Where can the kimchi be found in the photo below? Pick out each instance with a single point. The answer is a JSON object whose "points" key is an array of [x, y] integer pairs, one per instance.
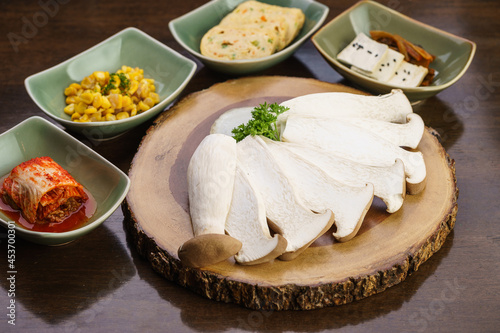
{"points": [[43, 191]]}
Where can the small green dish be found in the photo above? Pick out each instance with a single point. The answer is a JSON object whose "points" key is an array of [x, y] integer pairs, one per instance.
{"points": [[132, 47], [189, 29], [453, 54], [37, 137]]}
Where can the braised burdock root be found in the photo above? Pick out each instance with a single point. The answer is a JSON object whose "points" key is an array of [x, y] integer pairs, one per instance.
{"points": [[414, 54]]}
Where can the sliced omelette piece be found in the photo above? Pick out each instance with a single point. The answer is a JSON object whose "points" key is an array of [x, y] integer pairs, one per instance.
{"points": [[250, 12], [230, 43]]}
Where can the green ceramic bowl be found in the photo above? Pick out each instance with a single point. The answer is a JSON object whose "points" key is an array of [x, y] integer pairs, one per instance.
{"points": [[453, 54], [132, 47], [190, 28], [37, 137]]}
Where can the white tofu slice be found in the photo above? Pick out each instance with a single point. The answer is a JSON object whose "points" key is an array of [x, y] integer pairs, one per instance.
{"points": [[408, 75], [363, 53], [391, 61]]}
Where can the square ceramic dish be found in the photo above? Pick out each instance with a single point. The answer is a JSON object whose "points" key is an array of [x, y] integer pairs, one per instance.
{"points": [[132, 47], [453, 54], [189, 29], [36, 137]]}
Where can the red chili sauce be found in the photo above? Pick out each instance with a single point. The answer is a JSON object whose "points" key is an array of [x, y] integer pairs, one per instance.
{"points": [[74, 221]]}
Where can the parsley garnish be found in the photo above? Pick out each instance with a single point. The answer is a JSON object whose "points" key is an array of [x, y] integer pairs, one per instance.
{"points": [[124, 83], [263, 122]]}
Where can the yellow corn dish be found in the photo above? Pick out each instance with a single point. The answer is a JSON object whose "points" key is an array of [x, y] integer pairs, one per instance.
{"points": [[102, 96]]}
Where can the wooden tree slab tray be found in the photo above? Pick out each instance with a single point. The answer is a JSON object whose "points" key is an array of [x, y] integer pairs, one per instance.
{"points": [[387, 249]]}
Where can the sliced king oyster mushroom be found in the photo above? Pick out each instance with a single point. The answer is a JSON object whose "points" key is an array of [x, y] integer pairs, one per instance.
{"points": [[320, 192], [388, 181], [247, 222], [408, 134], [285, 211], [350, 141], [210, 175], [391, 107]]}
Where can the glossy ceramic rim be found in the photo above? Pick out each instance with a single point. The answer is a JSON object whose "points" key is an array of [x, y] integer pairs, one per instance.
{"points": [[72, 234], [162, 104], [421, 89]]}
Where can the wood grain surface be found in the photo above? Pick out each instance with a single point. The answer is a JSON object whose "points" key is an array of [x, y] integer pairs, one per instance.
{"points": [[101, 284]]}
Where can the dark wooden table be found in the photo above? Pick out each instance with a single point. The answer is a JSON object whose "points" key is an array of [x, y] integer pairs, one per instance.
{"points": [[100, 284]]}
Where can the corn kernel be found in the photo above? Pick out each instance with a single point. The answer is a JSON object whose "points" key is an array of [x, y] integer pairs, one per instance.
{"points": [[80, 108], [116, 101], [122, 115], [110, 117], [88, 82], [87, 98], [96, 117], [90, 110], [149, 102], [128, 108], [76, 86], [72, 99], [84, 118], [100, 77], [141, 106], [134, 84], [126, 101], [106, 104], [70, 109], [70, 91], [85, 101], [143, 90], [97, 102], [155, 97]]}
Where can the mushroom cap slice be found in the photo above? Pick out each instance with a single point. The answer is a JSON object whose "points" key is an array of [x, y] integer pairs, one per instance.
{"points": [[210, 177], [285, 210], [208, 249], [321, 192], [247, 222], [392, 107], [342, 138]]}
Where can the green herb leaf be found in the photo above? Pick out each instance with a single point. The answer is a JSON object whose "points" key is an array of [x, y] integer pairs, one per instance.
{"points": [[124, 83], [263, 122]]}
